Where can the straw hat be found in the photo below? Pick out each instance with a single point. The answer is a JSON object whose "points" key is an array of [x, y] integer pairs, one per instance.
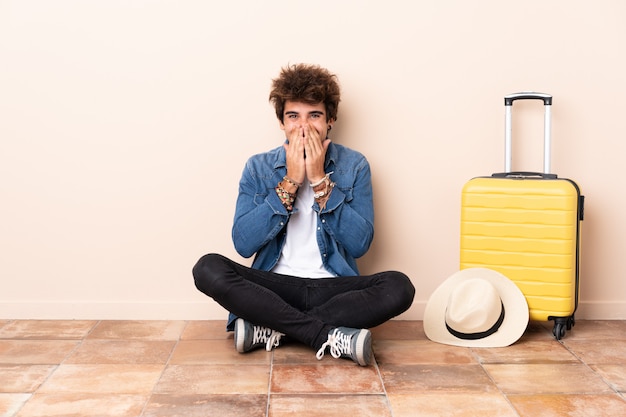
{"points": [[476, 307]]}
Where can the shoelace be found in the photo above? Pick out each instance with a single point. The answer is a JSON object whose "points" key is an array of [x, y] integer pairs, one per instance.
{"points": [[338, 342], [273, 340], [270, 337]]}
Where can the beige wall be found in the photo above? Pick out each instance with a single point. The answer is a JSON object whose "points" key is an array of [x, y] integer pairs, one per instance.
{"points": [[124, 126]]}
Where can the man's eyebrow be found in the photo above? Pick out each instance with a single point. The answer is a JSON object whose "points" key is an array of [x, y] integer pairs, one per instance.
{"points": [[318, 112], [311, 112]]}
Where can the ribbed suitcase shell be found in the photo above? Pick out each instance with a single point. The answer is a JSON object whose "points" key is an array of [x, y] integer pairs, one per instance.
{"points": [[529, 230]]}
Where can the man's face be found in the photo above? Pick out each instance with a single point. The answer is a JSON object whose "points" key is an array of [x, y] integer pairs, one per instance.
{"points": [[298, 114]]}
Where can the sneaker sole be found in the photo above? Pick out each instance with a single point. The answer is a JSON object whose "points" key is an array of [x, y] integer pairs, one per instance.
{"points": [[240, 335], [364, 338]]}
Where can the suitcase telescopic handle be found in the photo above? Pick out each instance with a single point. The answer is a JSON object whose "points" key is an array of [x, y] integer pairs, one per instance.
{"points": [[527, 95], [508, 105]]}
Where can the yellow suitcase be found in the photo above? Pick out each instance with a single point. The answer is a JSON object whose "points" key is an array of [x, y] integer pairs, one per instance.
{"points": [[526, 225]]}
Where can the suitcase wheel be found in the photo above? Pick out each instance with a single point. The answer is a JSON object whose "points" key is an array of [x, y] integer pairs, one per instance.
{"points": [[559, 330], [561, 325], [570, 323]]}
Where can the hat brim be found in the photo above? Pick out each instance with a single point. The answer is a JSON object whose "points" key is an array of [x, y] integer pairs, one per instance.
{"points": [[515, 307]]}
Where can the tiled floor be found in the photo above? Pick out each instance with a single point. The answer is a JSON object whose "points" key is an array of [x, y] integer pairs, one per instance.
{"points": [[190, 369]]}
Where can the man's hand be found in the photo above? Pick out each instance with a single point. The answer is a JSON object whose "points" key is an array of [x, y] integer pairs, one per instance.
{"points": [[296, 169], [315, 148], [306, 153]]}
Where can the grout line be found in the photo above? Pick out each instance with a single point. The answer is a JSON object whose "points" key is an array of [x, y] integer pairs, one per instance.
{"points": [[611, 386], [382, 383], [54, 366], [269, 384], [68, 355], [92, 329], [493, 381], [79, 344], [165, 366]]}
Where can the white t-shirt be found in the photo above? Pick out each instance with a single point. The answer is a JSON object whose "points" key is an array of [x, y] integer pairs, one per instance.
{"points": [[301, 255]]}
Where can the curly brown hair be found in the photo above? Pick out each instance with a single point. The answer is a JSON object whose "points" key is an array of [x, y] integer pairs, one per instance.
{"points": [[306, 83]]}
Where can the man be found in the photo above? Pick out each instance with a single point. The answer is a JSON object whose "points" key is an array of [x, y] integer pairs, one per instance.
{"points": [[305, 211]]}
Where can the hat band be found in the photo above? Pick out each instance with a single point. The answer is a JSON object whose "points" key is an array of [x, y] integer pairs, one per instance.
{"points": [[479, 335]]}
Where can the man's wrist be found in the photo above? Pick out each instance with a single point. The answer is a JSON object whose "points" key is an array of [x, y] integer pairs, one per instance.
{"points": [[321, 180], [289, 186], [292, 182]]}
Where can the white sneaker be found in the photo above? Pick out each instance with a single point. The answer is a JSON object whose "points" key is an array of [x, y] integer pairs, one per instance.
{"points": [[249, 337], [345, 342]]}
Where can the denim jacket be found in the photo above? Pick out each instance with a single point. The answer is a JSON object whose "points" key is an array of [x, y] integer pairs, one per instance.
{"points": [[345, 226]]}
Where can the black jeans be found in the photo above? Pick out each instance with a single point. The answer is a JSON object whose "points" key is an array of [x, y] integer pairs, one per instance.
{"points": [[303, 308]]}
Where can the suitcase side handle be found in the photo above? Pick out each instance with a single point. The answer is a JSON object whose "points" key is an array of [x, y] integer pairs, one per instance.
{"points": [[508, 103]]}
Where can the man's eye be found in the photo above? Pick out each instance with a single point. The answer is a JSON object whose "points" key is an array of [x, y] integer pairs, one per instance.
{"points": [[292, 116]]}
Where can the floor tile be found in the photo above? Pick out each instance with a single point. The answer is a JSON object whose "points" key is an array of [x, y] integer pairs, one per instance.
{"points": [[23, 378], [293, 353], [300, 379], [472, 404], [35, 352], [216, 352], [399, 330], [598, 351], [190, 368], [325, 405], [163, 405], [537, 330], [11, 403], [138, 330], [530, 351], [546, 379], [597, 329], [83, 404], [206, 329], [406, 379], [122, 351], [104, 379], [214, 379], [407, 352], [569, 406], [614, 375], [47, 329]]}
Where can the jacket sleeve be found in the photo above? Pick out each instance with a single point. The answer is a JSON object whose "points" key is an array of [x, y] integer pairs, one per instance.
{"points": [[348, 217], [259, 215]]}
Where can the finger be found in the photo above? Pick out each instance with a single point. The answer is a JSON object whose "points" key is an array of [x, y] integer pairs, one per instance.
{"points": [[313, 134], [313, 142], [296, 168], [293, 136], [296, 139], [316, 155]]}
